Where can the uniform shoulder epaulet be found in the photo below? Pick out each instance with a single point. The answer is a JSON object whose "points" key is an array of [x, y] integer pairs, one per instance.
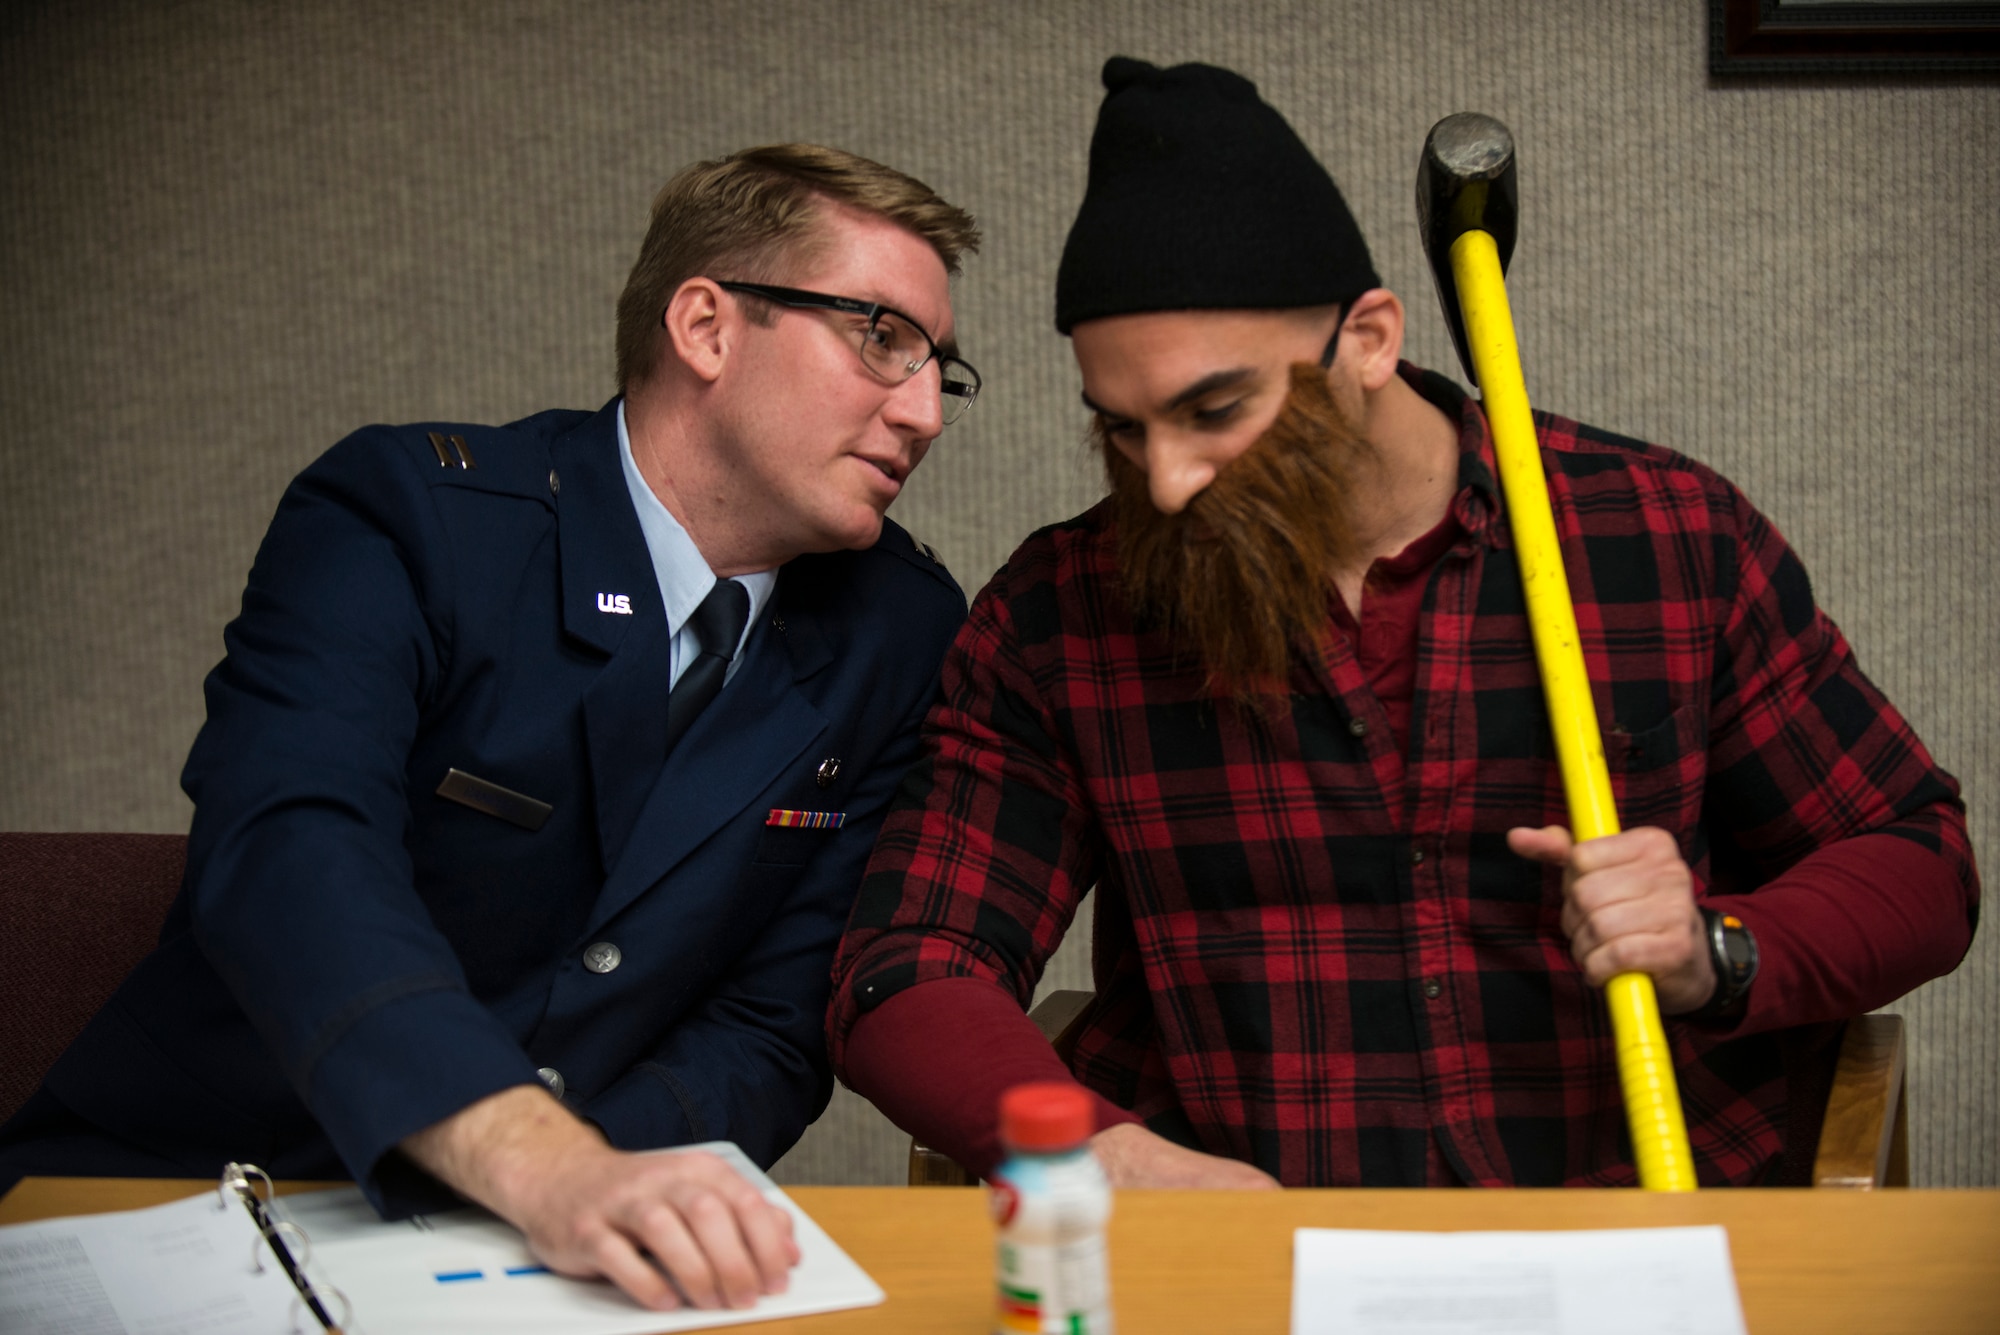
{"points": [[484, 458], [902, 542]]}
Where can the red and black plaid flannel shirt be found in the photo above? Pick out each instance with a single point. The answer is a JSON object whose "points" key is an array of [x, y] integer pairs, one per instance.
{"points": [[1313, 951]]}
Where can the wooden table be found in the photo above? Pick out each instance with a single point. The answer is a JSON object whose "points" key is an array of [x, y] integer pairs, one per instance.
{"points": [[1810, 1262]]}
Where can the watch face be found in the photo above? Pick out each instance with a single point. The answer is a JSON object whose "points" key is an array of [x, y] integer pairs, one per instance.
{"points": [[1738, 950]]}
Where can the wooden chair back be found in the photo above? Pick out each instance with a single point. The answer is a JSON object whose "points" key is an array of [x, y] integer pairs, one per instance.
{"points": [[1864, 1139]]}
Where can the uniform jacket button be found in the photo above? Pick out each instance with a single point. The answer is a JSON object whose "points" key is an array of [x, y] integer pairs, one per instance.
{"points": [[602, 957], [552, 1078]]}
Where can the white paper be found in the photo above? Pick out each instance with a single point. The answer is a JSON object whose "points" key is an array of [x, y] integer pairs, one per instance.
{"points": [[185, 1269], [1642, 1281]]}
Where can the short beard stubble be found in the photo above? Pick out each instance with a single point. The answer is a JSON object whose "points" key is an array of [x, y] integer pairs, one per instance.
{"points": [[1244, 572]]}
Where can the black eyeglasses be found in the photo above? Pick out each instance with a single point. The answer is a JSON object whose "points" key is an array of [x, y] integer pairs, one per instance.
{"points": [[893, 346]]}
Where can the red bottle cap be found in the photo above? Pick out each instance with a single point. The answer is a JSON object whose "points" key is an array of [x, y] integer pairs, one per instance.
{"points": [[1045, 1116]]}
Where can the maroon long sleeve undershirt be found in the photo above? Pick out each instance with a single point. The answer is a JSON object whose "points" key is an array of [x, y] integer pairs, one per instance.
{"points": [[937, 1057]]}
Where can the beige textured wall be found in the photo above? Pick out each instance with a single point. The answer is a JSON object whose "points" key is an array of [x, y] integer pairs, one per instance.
{"points": [[233, 231]]}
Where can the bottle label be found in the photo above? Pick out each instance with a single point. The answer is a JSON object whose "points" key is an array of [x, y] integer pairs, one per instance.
{"points": [[1051, 1263], [1003, 1201]]}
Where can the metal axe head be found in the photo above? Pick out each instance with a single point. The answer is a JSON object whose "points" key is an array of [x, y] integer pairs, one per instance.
{"points": [[1465, 182]]}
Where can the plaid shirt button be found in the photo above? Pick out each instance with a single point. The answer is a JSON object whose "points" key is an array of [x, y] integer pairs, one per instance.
{"points": [[1358, 726], [1416, 856], [1431, 988]]}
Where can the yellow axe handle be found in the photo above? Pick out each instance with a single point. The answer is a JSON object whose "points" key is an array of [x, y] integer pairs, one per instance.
{"points": [[1645, 1063]]}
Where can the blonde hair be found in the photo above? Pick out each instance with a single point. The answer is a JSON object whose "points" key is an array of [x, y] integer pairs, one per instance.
{"points": [[755, 216]]}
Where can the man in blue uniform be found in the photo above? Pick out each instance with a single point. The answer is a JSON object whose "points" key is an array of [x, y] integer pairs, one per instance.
{"points": [[544, 760]]}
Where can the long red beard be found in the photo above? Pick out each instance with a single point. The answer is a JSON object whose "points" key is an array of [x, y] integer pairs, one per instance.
{"points": [[1244, 572]]}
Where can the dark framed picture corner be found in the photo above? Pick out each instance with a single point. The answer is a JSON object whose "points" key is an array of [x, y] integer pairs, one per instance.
{"points": [[1765, 37]]}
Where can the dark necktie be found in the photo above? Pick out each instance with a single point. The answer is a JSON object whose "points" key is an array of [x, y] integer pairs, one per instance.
{"points": [[718, 622]]}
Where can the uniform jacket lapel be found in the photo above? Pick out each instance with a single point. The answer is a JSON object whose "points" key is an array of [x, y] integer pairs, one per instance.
{"points": [[757, 728], [650, 816], [604, 557]]}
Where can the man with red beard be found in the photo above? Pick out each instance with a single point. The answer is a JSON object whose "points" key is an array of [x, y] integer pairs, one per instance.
{"points": [[1275, 699]]}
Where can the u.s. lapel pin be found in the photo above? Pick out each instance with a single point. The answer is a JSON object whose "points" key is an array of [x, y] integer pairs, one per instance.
{"points": [[828, 771]]}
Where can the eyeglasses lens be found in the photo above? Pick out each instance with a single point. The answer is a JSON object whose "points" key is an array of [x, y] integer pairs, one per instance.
{"points": [[894, 347], [897, 350], [960, 386]]}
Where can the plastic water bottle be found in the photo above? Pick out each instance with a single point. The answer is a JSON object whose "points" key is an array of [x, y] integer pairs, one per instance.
{"points": [[1051, 1202]]}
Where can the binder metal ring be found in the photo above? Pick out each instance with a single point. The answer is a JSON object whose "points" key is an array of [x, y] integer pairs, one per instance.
{"points": [[298, 1309], [239, 1180]]}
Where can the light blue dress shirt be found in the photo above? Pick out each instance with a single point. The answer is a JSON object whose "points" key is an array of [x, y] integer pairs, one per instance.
{"points": [[685, 578]]}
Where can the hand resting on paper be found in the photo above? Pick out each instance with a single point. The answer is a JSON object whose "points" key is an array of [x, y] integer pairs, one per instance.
{"points": [[1628, 907], [589, 1210], [1132, 1156]]}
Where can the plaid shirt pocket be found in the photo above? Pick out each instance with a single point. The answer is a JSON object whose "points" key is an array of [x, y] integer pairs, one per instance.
{"points": [[1660, 772]]}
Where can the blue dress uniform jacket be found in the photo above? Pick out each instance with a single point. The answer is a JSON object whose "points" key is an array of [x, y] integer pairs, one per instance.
{"points": [[354, 957]]}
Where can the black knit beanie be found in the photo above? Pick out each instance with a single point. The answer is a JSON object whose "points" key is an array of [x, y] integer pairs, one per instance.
{"points": [[1202, 198]]}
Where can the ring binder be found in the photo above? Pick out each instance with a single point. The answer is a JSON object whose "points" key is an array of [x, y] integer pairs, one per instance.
{"points": [[199, 1263], [237, 1180]]}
